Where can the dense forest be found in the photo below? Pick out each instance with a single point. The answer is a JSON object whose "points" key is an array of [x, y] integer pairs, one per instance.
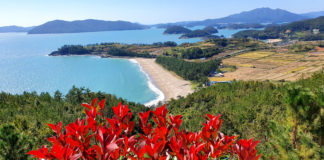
{"points": [[194, 71], [196, 52], [103, 50], [199, 33], [24, 118], [287, 118], [302, 30]]}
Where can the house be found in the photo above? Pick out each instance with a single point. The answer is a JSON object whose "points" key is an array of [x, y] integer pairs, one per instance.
{"points": [[219, 75], [273, 40], [214, 82], [316, 31], [216, 74]]}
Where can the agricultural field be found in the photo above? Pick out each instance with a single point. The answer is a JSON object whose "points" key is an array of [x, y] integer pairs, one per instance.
{"points": [[272, 65]]}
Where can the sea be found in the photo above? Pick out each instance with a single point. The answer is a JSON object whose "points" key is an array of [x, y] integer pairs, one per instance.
{"points": [[26, 67]]}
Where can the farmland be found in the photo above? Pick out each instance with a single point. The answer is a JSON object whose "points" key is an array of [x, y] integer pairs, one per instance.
{"points": [[273, 65]]}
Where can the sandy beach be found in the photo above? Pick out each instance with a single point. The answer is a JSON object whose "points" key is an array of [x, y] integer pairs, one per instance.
{"points": [[171, 85]]}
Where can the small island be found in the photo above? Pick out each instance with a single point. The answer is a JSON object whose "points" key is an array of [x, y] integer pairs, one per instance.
{"points": [[199, 34], [210, 30], [177, 30]]}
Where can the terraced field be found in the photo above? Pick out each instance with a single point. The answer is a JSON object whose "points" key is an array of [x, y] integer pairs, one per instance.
{"points": [[263, 65]]}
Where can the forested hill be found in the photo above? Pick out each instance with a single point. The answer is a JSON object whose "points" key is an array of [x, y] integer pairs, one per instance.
{"points": [[90, 25], [302, 30], [255, 16], [176, 30], [266, 111]]}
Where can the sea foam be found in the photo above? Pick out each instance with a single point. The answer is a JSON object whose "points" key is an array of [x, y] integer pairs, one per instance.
{"points": [[160, 95]]}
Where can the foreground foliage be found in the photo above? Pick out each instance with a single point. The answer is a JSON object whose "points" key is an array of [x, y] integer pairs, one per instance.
{"points": [[99, 137], [266, 111], [249, 109]]}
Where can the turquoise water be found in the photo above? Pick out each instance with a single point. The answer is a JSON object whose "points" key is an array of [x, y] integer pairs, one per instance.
{"points": [[24, 65]]}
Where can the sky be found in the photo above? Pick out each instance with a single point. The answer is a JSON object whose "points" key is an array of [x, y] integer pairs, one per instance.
{"points": [[36, 12]]}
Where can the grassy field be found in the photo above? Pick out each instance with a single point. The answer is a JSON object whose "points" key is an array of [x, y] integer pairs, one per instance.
{"points": [[271, 65]]}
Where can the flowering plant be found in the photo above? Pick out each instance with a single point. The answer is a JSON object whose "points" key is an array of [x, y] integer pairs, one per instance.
{"points": [[102, 138]]}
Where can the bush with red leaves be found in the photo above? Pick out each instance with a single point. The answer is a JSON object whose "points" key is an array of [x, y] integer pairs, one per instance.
{"points": [[98, 137]]}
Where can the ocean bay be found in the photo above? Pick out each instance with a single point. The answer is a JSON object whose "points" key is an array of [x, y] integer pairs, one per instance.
{"points": [[25, 66]]}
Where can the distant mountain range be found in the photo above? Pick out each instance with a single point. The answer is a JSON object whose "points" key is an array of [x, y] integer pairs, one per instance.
{"points": [[90, 25], [256, 16], [14, 29], [313, 14]]}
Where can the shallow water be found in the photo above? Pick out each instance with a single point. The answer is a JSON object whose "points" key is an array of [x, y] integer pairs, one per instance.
{"points": [[24, 65]]}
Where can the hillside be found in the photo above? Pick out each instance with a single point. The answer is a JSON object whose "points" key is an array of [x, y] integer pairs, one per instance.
{"points": [[302, 30], [313, 14], [14, 29], [256, 16], [176, 30], [249, 109], [90, 25], [260, 110]]}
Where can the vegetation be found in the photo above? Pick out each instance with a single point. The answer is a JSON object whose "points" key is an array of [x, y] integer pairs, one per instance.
{"points": [[210, 30], [105, 50], [194, 71], [197, 34], [212, 47], [196, 52], [265, 111], [90, 25], [176, 30], [262, 110], [302, 30], [24, 118], [99, 137]]}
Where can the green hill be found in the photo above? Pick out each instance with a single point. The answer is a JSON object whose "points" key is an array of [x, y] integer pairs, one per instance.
{"points": [[302, 30], [90, 25], [176, 30]]}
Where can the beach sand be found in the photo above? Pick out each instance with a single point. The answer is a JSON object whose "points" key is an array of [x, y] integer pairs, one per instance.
{"points": [[171, 85]]}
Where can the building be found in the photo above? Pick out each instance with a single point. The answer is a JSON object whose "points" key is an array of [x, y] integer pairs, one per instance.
{"points": [[316, 31], [273, 40]]}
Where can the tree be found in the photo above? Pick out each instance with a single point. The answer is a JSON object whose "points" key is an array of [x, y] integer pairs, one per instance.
{"points": [[303, 103], [13, 144]]}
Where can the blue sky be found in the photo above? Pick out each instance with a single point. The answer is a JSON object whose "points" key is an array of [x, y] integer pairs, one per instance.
{"points": [[36, 12]]}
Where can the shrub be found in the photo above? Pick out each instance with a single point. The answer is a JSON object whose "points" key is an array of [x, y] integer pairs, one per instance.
{"points": [[99, 137]]}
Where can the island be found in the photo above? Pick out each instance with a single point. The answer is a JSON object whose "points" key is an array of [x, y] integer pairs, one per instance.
{"points": [[199, 34], [210, 30], [90, 25], [177, 30]]}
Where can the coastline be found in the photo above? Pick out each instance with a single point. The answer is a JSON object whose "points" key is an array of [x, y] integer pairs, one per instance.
{"points": [[152, 85], [165, 84]]}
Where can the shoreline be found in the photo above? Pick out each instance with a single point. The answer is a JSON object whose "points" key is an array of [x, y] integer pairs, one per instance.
{"points": [[162, 82], [152, 85], [168, 84]]}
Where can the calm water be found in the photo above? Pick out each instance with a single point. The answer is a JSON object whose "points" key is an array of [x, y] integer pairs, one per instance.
{"points": [[24, 65]]}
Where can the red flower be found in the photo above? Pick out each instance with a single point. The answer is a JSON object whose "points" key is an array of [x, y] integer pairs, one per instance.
{"points": [[39, 153], [245, 149], [112, 138]]}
